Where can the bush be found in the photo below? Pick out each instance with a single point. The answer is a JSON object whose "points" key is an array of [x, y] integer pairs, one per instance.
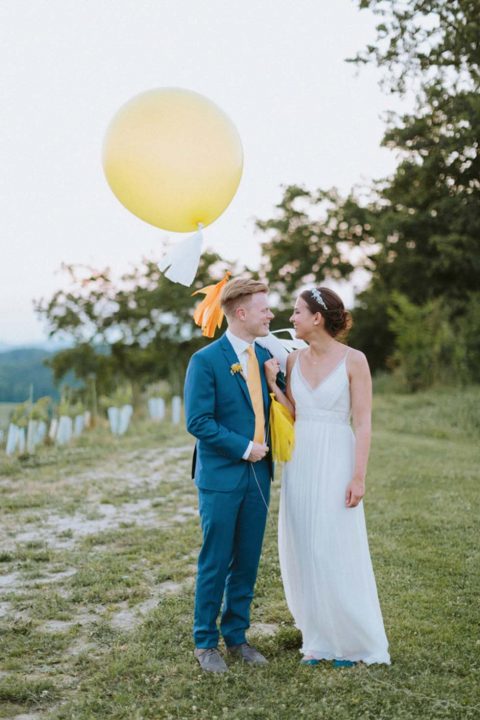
{"points": [[435, 344]]}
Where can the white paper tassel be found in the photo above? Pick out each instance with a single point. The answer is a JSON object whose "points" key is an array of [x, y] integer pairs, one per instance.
{"points": [[281, 348], [182, 260]]}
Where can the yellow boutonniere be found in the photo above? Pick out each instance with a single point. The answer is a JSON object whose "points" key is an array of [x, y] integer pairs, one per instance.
{"points": [[236, 368]]}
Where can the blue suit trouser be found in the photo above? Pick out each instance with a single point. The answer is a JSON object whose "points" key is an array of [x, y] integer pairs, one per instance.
{"points": [[233, 526]]}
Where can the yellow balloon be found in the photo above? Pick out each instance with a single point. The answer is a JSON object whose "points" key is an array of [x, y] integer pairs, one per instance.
{"points": [[173, 158]]}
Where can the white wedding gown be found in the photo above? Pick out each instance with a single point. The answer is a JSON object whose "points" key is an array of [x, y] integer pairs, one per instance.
{"points": [[323, 546]]}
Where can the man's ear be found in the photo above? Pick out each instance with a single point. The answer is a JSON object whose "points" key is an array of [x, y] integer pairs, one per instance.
{"points": [[240, 313]]}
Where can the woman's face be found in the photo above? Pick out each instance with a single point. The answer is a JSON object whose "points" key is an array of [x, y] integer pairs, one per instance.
{"points": [[303, 320]]}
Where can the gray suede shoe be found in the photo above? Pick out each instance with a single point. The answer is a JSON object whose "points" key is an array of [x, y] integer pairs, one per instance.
{"points": [[247, 653], [210, 660]]}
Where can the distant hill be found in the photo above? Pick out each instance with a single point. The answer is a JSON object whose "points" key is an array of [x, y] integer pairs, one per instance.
{"points": [[21, 368]]}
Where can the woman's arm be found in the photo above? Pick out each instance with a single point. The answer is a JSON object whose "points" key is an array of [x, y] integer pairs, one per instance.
{"points": [[271, 372], [361, 399]]}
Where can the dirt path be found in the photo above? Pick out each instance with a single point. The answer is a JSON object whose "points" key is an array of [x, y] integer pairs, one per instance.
{"points": [[85, 555]]}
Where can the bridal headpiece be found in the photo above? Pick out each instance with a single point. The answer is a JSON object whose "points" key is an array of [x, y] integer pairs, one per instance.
{"points": [[317, 295]]}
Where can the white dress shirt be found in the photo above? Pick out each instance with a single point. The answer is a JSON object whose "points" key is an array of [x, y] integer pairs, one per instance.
{"points": [[241, 350]]}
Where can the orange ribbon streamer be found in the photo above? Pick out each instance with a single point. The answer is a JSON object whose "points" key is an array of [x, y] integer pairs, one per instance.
{"points": [[209, 314]]}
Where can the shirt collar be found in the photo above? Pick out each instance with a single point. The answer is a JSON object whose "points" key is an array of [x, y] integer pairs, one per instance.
{"points": [[237, 343]]}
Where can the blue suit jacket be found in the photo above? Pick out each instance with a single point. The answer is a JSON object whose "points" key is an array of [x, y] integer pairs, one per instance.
{"points": [[220, 415]]}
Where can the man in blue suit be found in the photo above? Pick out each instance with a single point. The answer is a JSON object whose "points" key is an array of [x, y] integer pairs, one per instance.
{"points": [[227, 410]]}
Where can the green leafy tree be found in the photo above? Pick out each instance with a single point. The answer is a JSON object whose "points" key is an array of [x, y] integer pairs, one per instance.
{"points": [[427, 216], [425, 41], [417, 233], [427, 347], [137, 330]]}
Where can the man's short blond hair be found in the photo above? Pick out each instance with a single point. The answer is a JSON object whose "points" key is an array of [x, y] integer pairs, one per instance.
{"points": [[237, 290]]}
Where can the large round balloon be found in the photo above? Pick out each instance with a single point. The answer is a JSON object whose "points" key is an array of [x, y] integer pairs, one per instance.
{"points": [[173, 158]]}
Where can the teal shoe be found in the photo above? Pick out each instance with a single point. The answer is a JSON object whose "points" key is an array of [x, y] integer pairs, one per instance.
{"points": [[309, 661], [343, 663]]}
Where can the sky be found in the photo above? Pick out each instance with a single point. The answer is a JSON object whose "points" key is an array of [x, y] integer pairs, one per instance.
{"points": [[276, 67]]}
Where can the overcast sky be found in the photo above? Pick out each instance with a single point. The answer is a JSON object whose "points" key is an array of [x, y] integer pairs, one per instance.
{"points": [[276, 67]]}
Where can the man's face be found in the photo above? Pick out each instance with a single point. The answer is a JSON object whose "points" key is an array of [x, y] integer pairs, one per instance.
{"points": [[257, 315]]}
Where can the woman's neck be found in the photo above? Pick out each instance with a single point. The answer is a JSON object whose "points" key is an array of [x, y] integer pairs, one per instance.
{"points": [[321, 346]]}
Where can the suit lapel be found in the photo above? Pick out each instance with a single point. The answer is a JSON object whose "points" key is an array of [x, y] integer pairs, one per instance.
{"points": [[232, 359], [260, 360], [265, 391]]}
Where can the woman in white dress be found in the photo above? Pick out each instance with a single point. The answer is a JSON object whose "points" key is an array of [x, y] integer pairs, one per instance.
{"points": [[324, 556]]}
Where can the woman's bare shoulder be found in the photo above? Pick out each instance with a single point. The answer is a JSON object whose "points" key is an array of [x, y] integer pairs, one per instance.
{"points": [[356, 359], [291, 358]]}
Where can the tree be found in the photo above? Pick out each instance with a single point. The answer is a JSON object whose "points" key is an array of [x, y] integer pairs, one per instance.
{"points": [[428, 215], [137, 330], [312, 237], [425, 41], [417, 232]]}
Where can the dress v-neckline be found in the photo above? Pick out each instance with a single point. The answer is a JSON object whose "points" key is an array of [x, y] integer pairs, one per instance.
{"points": [[323, 380]]}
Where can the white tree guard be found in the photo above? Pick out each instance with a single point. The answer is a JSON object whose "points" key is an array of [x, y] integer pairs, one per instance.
{"points": [[52, 433], [156, 408], [12, 437], [113, 419], [65, 430], [32, 436], [78, 425], [21, 440], [124, 421], [176, 409], [119, 419], [41, 431]]}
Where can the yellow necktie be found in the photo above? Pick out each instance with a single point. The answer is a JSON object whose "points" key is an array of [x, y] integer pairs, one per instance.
{"points": [[255, 389]]}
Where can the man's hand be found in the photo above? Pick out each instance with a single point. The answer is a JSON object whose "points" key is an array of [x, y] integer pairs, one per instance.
{"points": [[258, 452]]}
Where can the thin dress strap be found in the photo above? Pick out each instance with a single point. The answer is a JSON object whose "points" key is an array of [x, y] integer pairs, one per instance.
{"points": [[296, 359]]}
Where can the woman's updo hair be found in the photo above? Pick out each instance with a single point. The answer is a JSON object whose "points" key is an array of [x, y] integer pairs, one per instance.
{"points": [[338, 321]]}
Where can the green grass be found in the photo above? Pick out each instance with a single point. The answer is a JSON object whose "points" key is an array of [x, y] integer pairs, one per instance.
{"points": [[79, 648]]}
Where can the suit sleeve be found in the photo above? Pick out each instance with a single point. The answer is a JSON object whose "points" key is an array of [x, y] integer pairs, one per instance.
{"points": [[200, 412], [281, 381]]}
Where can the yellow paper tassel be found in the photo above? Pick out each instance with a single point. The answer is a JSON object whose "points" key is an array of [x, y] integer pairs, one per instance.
{"points": [[209, 314], [281, 431]]}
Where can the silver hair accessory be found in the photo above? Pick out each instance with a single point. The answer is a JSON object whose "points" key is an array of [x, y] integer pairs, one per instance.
{"points": [[318, 297]]}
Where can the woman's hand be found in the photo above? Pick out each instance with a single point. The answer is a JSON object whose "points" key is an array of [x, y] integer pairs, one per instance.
{"points": [[272, 368], [355, 492]]}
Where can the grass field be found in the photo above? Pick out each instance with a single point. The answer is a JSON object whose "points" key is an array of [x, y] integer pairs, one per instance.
{"points": [[97, 558]]}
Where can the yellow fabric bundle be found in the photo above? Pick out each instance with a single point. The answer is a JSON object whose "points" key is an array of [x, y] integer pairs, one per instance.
{"points": [[281, 431]]}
